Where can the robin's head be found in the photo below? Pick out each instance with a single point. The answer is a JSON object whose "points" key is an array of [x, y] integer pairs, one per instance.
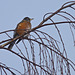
{"points": [[27, 19]]}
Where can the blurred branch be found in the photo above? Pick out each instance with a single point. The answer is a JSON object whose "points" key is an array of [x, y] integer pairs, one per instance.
{"points": [[52, 57], [7, 69], [31, 31], [24, 59]]}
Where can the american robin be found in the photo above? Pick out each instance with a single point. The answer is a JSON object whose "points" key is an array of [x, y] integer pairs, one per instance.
{"points": [[21, 28]]}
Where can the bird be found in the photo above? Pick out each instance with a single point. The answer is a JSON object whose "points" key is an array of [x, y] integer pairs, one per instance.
{"points": [[21, 28]]}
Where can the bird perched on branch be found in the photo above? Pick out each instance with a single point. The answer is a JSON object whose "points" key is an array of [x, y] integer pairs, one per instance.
{"points": [[21, 28]]}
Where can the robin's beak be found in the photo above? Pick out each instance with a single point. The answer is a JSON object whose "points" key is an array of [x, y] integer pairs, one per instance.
{"points": [[31, 19]]}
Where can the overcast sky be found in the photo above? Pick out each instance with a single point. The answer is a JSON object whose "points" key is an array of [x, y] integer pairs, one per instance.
{"points": [[13, 11]]}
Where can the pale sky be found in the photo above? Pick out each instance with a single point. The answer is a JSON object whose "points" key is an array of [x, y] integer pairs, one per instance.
{"points": [[13, 11]]}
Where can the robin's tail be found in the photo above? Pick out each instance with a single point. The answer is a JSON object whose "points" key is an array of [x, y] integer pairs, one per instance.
{"points": [[11, 45]]}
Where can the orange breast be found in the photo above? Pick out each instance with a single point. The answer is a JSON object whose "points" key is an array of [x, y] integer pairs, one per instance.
{"points": [[23, 27]]}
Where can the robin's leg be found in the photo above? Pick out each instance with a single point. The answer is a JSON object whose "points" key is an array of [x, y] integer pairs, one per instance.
{"points": [[18, 41], [21, 39], [11, 45]]}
